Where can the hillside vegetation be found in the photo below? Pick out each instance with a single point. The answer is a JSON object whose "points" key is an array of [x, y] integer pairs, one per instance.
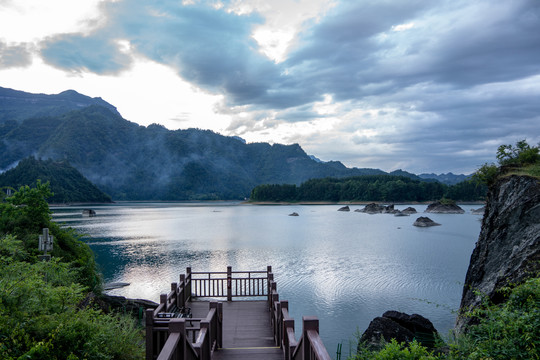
{"points": [[369, 188], [67, 183], [42, 315]]}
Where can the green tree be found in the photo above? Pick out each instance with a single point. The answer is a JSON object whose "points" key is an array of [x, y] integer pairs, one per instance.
{"points": [[520, 155]]}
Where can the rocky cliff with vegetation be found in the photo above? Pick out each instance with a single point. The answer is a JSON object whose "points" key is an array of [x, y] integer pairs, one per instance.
{"points": [[508, 248]]}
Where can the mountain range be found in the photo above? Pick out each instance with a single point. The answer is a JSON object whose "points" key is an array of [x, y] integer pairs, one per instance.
{"points": [[133, 162]]}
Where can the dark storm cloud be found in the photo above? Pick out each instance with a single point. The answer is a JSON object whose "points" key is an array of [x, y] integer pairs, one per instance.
{"points": [[99, 53], [14, 55], [455, 77]]}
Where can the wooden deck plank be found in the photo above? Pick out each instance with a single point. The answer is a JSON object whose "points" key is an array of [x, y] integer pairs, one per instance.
{"points": [[247, 332]]}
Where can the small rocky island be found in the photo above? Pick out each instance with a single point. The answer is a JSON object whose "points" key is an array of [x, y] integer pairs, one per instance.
{"points": [[374, 208], [444, 208], [424, 221]]}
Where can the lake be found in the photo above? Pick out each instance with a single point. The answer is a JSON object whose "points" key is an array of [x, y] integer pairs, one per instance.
{"points": [[343, 267]]}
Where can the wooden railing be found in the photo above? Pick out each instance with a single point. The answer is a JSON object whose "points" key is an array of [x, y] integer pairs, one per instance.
{"points": [[229, 284], [169, 337], [184, 338], [310, 345]]}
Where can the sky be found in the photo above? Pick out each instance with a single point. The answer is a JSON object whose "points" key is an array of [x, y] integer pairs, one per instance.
{"points": [[420, 85]]}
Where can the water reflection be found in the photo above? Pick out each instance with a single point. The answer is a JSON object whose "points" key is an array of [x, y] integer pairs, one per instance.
{"points": [[345, 268]]}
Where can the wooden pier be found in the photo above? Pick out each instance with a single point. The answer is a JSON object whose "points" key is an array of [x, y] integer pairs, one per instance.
{"points": [[191, 323]]}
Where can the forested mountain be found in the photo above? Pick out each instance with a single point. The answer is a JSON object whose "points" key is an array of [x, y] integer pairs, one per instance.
{"points": [[66, 182], [132, 162], [19, 105]]}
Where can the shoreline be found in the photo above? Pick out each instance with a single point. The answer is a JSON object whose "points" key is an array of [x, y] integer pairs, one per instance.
{"points": [[355, 202]]}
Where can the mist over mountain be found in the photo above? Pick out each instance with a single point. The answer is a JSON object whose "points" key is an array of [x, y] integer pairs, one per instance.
{"points": [[448, 178], [67, 184], [133, 162]]}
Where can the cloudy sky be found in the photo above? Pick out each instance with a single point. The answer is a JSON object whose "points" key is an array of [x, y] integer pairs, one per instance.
{"points": [[421, 85]]}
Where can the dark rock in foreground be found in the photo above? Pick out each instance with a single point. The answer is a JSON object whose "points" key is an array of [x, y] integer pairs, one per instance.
{"points": [[399, 326], [345, 208], [423, 221], [294, 214], [508, 248], [440, 208]]}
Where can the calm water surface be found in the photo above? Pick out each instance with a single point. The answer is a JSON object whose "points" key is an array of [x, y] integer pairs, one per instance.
{"points": [[344, 267]]}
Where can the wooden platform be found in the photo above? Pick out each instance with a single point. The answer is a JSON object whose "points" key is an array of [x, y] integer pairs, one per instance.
{"points": [[247, 333]]}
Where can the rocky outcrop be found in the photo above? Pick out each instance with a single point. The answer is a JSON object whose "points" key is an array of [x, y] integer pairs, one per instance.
{"points": [[479, 211], [424, 221], [508, 248], [344, 208], [294, 214], [378, 209], [399, 326], [409, 210], [440, 208]]}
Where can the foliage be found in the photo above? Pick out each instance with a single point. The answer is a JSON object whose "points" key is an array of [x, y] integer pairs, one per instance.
{"points": [[486, 174], [66, 182], [505, 331], [396, 351], [522, 159], [520, 155], [26, 211], [40, 319], [40, 316], [368, 188]]}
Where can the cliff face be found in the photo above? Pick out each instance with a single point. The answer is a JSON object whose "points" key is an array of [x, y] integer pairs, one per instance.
{"points": [[508, 248]]}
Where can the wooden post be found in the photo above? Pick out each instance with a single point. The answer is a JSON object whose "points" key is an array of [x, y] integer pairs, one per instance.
{"points": [[163, 300], [220, 325], [206, 346], [179, 326], [182, 293], [188, 287], [308, 323], [277, 324], [283, 329], [149, 334], [229, 283], [269, 290], [174, 289], [287, 323]]}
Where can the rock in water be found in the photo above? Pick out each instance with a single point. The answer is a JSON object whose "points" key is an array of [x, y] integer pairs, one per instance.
{"points": [[440, 208], [399, 326], [345, 208], [409, 210], [508, 248], [294, 214], [424, 221], [374, 208], [479, 211]]}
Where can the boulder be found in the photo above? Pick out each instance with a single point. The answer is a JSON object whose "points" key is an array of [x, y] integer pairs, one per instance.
{"points": [[345, 208], [440, 208], [424, 221], [399, 326], [294, 214], [508, 247], [479, 211], [409, 210], [374, 208]]}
